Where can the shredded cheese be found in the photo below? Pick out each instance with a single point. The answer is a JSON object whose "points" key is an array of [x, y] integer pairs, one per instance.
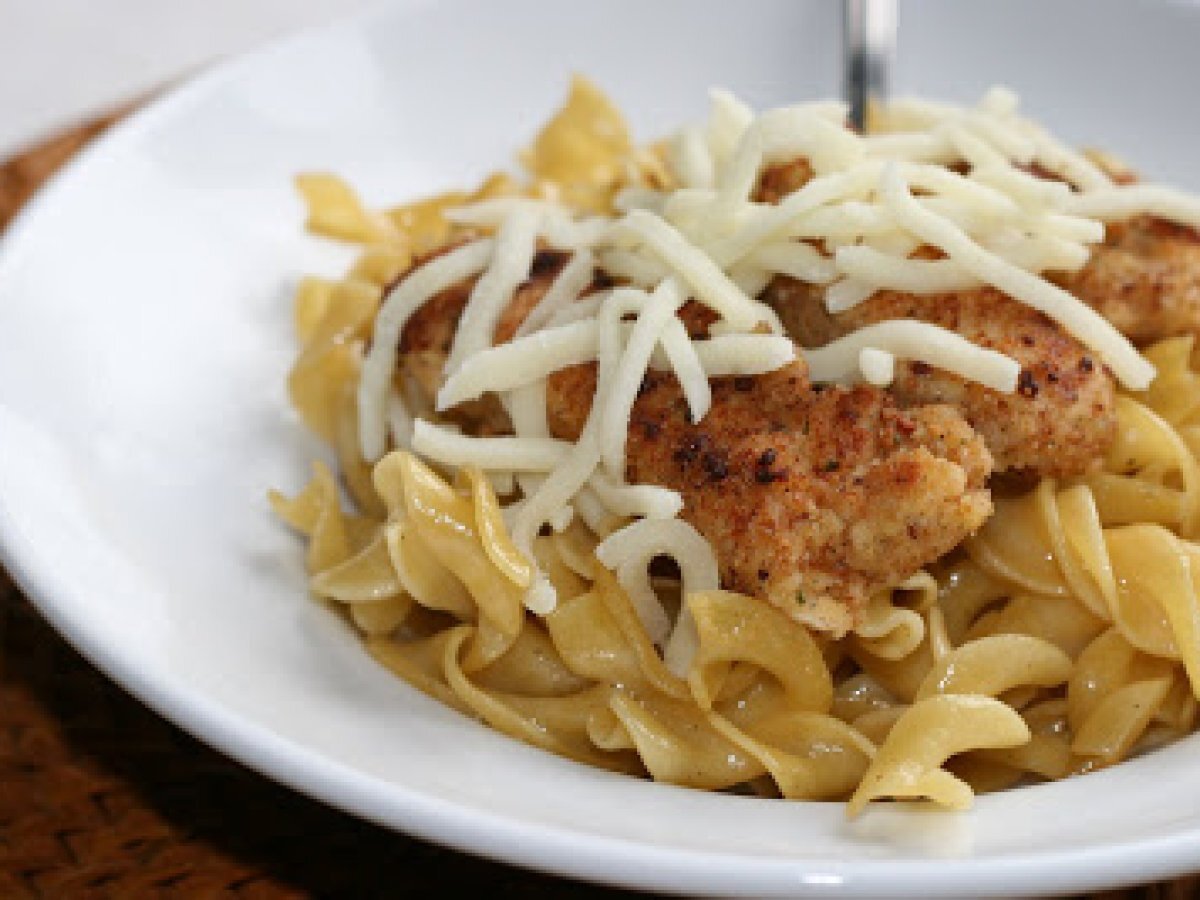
{"points": [[869, 266], [785, 133], [728, 121], [399, 421], [691, 158], [967, 182], [632, 266], [598, 517], [1114, 203], [629, 552], [658, 310], [795, 259], [684, 360], [570, 282], [519, 362], [1079, 319], [645, 500], [562, 484], [878, 367], [744, 354], [512, 454], [711, 285], [840, 360], [399, 305], [526, 407], [515, 246]]}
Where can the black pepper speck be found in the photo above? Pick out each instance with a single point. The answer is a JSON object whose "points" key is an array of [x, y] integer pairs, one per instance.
{"points": [[715, 465]]}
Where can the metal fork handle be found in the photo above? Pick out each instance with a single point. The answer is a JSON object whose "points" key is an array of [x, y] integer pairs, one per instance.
{"points": [[869, 44]]}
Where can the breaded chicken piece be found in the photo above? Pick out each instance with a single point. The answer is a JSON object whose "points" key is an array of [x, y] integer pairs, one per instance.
{"points": [[1144, 278], [819, 496], [812, 499], [1062, 416]]}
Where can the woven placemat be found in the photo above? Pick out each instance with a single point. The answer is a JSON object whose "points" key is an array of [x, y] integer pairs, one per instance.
{"points": [[99, 797]]}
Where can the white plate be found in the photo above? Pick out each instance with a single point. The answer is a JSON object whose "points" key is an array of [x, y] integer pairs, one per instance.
{"points": [[144, 338]]}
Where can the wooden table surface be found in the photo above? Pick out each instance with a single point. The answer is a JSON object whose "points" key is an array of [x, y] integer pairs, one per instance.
{"points": [[99, 797]]}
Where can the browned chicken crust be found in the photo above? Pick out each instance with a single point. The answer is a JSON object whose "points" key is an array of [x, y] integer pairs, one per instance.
{"points": [[1062, 416], [1144, 278], [812, 495], [813, 499], [779, 180], [816, 498]]}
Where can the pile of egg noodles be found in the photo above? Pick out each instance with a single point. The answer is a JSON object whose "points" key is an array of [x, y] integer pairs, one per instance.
{"points": [[1063, 637]]}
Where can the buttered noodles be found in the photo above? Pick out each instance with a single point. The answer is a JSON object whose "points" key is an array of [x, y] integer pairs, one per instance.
{"points": [[519, 577]]}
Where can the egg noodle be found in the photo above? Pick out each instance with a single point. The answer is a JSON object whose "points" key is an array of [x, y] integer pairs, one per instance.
{"points": [[509, 575]]}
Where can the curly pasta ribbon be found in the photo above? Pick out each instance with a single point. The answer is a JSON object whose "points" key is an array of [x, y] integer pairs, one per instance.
{"points": [[1063, 637]]}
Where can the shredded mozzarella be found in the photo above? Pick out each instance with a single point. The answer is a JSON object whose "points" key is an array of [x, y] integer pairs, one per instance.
{"points": [[632, 266], [868, 266], [691, 158], [749, 278], [516, 242], [637, 197], [818, 192], [519, 362], [513, 454], [630, 550], [689, 370], [711, 285], [585, 308], [571, 234], [727, 123], [570, 282], [1114, 203], [878, 367], [1021, 186], [797, 259], [841, 221], [744, 354], [399, 421], [786, 133], [503, 483], [859, 225], [401, 302], [598, 517], [659, 308], [646, 500], [908, 339], [562, 484], [526, 407], [984, 200], [847, 293], [1061, 160], [1091, 328]]}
